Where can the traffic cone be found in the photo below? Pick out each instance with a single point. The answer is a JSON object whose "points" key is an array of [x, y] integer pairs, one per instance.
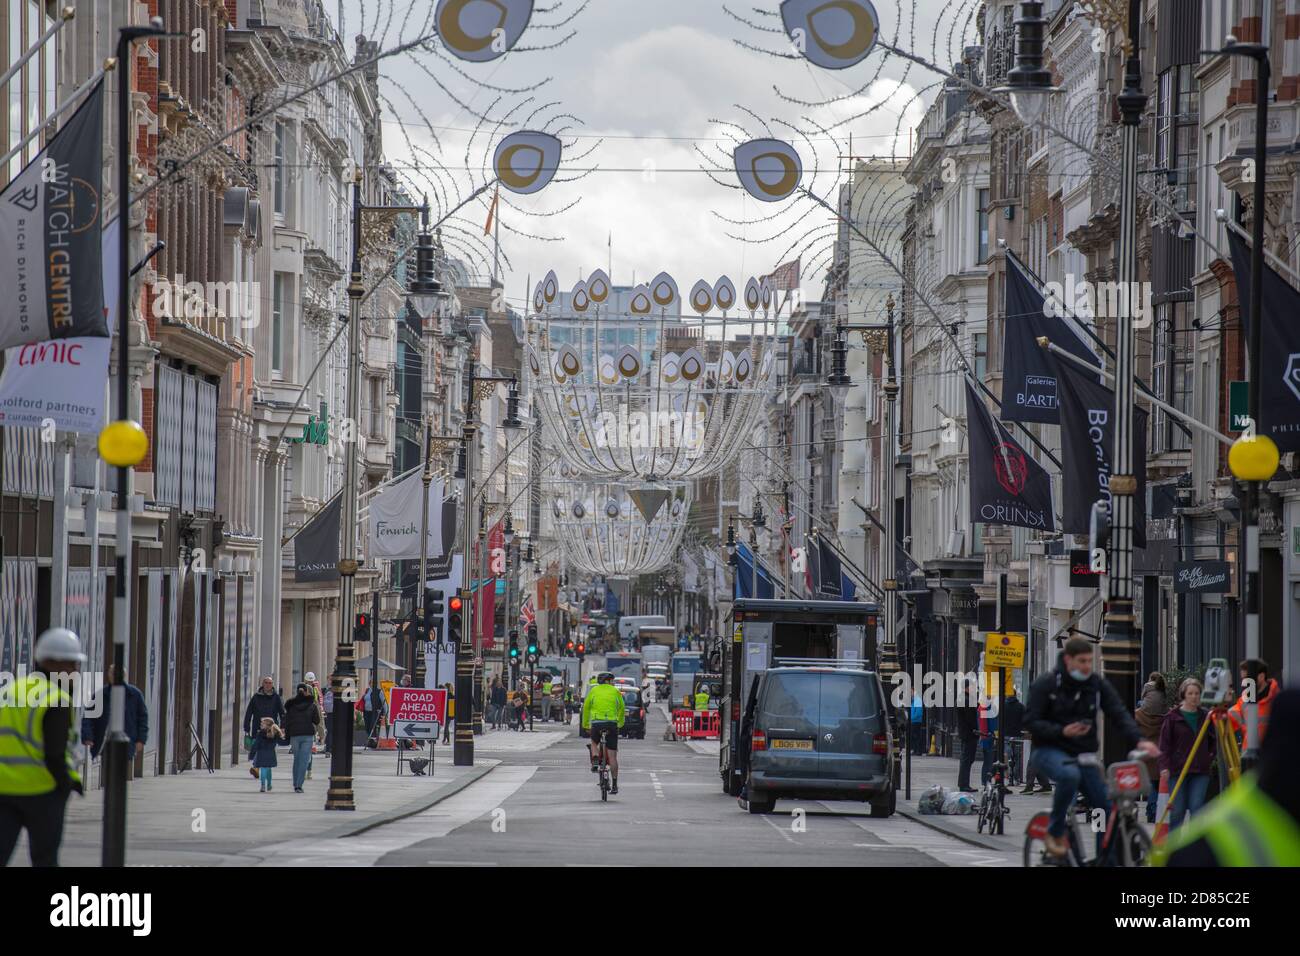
{"points": [[934, 746], [1162, 808]]}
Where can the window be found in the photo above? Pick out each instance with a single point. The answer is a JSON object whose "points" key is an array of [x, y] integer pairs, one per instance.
{"points": [[980, 356], [1177, 121], [1170, 375], [981, 226], [281, 137], [277, 322]]}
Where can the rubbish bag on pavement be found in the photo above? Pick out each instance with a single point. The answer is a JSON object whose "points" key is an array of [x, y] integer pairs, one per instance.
{"points": [[957, 803], [932, 800]]}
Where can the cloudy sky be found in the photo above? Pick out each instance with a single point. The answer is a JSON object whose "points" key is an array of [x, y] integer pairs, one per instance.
{"points": [[641, 91]]}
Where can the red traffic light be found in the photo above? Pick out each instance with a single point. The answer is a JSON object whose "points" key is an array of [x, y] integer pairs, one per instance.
{"points": [[454, 604], [363, 621], [582, 648], [570, 645]]}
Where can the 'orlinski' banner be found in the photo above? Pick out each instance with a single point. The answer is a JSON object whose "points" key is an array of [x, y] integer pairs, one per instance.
{"points": [[51, 216], [1279, 396], [1006, 485], [1087, 446], [1028, 382]]}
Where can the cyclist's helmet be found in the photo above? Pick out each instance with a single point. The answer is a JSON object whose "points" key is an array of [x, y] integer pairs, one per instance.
{"points": [[605, 678]]}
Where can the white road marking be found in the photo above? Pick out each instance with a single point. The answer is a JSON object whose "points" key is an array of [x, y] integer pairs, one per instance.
{"points": [[659, 787], [479, 798], [778, 828]]}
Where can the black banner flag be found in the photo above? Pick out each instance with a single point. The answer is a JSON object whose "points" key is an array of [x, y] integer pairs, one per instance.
{"points": [[1279, 370], [1087, 445], [51, 218], [316, 546], [1029, 382], [1006, 485]]}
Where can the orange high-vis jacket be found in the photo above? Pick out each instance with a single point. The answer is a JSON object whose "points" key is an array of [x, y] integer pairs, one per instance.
{"points": [[1265, 702]]}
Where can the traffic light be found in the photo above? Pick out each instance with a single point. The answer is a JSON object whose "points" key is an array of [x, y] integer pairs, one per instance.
{"points": [[455, 623], [569, 647], [514, 646], [532, 643], [433, 613], [581, 650], [361, 629]]}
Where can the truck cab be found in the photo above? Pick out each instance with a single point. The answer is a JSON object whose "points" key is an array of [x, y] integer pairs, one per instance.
{"points": [[765, 633]]}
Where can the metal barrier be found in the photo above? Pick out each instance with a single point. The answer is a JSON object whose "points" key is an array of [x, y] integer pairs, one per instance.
{"points": [[696, 724]]}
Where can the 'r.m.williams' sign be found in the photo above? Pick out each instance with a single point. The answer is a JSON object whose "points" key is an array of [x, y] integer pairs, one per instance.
{"points": [[1202, 577]]}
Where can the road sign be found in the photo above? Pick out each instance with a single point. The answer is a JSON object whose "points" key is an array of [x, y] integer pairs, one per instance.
{"points": [[1004, 650], [416, 730], [418, 705], [1238, 406]]}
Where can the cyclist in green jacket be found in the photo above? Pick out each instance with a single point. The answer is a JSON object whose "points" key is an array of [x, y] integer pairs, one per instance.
{"points": [[603, 715]]}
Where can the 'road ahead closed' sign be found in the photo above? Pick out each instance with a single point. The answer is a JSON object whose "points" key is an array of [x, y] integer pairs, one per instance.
{"points": [[418, 705]]}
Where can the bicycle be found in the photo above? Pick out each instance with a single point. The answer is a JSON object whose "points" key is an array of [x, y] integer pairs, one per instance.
{"points": [[993, 811], [1124, 841], [602, 763]]}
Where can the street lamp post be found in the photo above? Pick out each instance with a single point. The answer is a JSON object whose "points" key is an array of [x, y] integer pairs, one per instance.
{"points": [[123, 445], [1253, 458], [343, 681], [881, 337], [477, 387]]}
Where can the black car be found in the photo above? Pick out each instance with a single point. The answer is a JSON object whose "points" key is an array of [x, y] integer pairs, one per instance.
{"points": [[817, 733], [634, 721]]}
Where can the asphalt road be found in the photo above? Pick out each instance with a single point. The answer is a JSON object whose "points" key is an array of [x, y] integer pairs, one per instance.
{"points": [[544, 808]]}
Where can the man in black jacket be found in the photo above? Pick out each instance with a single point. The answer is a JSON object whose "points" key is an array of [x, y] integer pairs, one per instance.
{"points": [[265, 703], [1062, 721], [968, 735]]}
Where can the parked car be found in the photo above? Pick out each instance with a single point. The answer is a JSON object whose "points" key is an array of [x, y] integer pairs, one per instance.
{"points": [[817, 733]]}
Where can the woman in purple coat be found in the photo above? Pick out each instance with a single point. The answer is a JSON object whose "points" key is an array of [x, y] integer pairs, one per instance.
{"points": [[1178, 732]]}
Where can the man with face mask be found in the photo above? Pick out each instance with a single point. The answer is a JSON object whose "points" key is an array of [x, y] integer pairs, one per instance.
{"points": [[1061, 717]]}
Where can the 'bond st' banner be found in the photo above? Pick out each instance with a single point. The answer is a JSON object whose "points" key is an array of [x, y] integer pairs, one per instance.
{"points": [[1279, 381], [1087, 445], [395, 520], [50, 222], [1029, 383], [1006, 485]]}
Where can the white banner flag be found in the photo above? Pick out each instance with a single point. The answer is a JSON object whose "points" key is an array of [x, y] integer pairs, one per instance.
{"points": [[64, 381], [395, 520]]}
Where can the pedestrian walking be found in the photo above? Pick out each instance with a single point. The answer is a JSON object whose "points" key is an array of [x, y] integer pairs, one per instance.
{"points": [[1178, 732], [264, 756], [1149, 716], [497, 700], [38, 758], [521, 709], [373, 704], [135, 724], [301, 719], [265, 703], [327, 705], [451, 712], [319, 741], [968, 736]]}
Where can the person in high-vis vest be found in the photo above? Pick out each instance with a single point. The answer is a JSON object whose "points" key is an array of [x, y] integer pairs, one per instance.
{"points": [[37, 750], [1256, 821], [702, 698]]}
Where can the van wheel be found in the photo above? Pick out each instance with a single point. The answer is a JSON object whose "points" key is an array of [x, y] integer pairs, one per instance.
{"points": [[885, 804], [731, 784], [761, 806]]}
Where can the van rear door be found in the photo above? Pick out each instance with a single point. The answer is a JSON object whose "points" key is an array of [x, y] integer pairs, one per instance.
{"points": [[788, 718], [850, 718]]}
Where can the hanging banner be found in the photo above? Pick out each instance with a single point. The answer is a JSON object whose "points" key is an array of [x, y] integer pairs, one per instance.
{"points": [[1029, 382], [1087, 444], [64, 382], [1202, 577], [395, 520], [1006, 485], [1279, 379], [51, 219], [316, 546]]}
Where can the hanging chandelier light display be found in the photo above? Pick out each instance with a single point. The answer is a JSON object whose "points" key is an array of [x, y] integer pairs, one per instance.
{"points": [[618, 530], [632, 386]]}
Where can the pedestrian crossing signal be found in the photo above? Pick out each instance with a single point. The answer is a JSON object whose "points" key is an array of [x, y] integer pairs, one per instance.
{"points": [[361, 628], [581, 650]]}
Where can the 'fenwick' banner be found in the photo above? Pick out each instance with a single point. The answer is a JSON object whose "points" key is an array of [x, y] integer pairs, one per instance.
{"points": [[1279, 396], [51, 217], [1087, 445], [316, 546], [1029, 391], [1006, 485], [1202, 577]]}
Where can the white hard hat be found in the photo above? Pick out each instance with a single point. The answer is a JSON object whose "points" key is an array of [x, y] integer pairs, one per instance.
{"points": [[58, 644], [311, 676]]}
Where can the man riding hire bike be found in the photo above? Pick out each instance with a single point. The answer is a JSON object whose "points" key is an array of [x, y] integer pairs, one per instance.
{"points": [[603, 714], [1061, 717]]}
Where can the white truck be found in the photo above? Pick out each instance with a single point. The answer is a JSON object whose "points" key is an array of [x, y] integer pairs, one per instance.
{"points": [[630, 624]]}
